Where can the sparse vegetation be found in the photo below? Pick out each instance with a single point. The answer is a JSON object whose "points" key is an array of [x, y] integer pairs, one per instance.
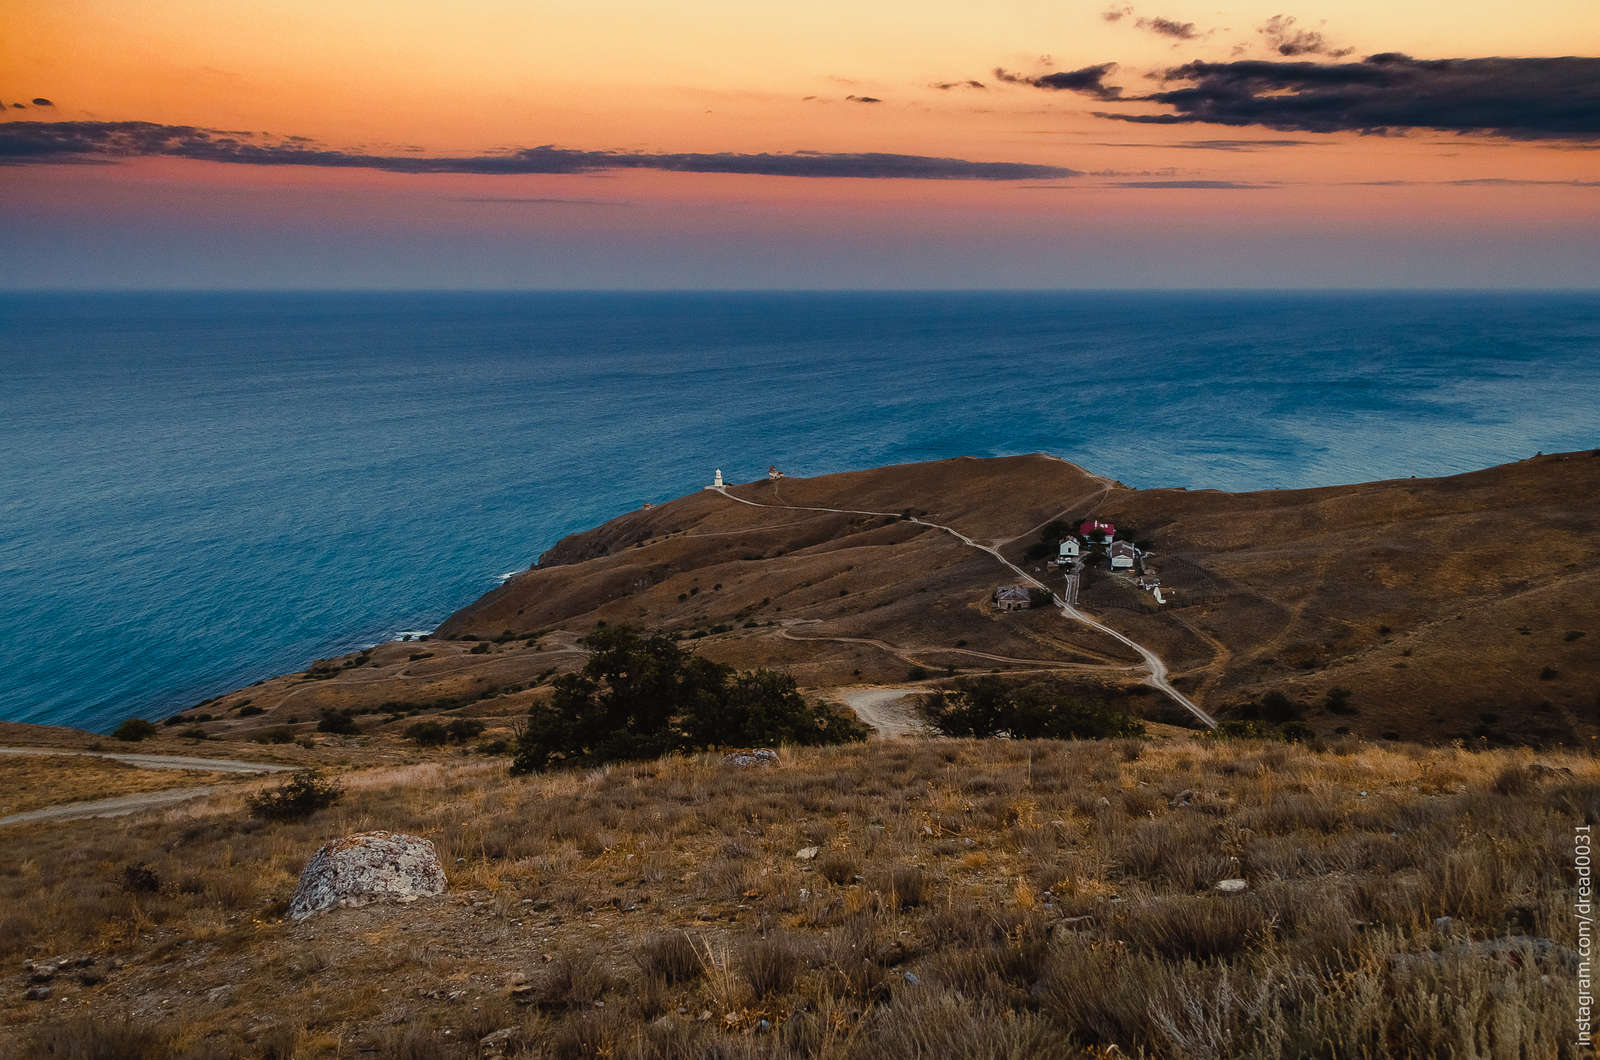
{"points": [[303, 794], [135, 729]]}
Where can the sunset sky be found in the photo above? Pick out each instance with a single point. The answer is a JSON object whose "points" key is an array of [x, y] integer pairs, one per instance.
{"points": [[873, 144]]}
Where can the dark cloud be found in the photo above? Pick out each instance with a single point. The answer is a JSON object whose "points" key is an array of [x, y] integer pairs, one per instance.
{"points": [[948, 85], [1090, 81], [864, 99], [1223, 145], [1204, 185], [1166, 27], [19, 106], [1286, 40], [1117, 14], [23, 143], [42, 102], [1527, 99]]}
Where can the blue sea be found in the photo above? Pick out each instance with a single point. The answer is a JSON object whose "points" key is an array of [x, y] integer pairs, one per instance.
{"points": [[200, 490]]}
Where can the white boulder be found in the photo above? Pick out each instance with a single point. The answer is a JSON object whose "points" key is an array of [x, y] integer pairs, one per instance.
{"points": [[368, 867]]}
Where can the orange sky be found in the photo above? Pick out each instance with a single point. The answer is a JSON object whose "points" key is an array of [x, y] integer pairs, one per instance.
{"points": [[483, 76]]}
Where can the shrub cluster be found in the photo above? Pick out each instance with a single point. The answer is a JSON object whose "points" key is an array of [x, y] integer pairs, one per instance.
{"points": [[303, 794], [135, 729], [992, 706], [644, 696], [433, 734]]}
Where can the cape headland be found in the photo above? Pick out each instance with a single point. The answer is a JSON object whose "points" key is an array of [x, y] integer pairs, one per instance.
{"points": [[1425, 609]]}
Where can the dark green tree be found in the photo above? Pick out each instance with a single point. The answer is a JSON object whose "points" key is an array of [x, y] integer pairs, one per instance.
{"points": [[640, 696], [990, 706], [135, 729]]}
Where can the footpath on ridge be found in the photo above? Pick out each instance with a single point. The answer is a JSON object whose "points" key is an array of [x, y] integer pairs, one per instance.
{"points": [[1157, 669]]}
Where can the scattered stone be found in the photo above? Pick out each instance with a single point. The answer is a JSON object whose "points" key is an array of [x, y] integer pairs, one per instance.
{"points": [[1540, 769], [805, 895], [90, 977], [1104, 801], [913, 980], [368, 867], [41, 973], [763, 1027], [518, 987], [1183, 798], [1444, 924], [806, 853], [744, 756], [37, 993], [1231, 887], [500, 1043]]}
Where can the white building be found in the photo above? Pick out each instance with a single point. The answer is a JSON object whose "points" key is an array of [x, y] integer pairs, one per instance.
{"points": [[1122, 555], [716, 483], [1069, 547]]}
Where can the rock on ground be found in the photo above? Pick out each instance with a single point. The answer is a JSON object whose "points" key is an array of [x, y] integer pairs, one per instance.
{"points": [[368, 867]]}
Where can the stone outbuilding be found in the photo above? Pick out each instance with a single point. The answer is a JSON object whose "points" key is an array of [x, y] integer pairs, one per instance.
{"points": [[1012, 598]]}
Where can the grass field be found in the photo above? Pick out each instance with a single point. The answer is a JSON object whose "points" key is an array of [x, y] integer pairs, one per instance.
{"points": [[984, 899]]}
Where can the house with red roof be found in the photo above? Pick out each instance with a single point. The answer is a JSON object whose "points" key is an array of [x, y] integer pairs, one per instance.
{"points": [[1089, 526]]}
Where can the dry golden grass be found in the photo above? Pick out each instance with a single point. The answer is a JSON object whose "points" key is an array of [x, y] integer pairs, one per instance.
{"points": [[29, 782], [969, 898]]}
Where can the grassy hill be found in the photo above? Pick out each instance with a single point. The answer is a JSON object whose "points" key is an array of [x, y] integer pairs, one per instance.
{"points": [[1454, 608]]}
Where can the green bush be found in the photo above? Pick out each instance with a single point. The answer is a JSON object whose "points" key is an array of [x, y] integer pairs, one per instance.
{"points": [[303, 794], [463, 729], [1279, 708], [338, 724], [428, 734], [281, 734], [1298, 732], [917, 673], [643, 696], [251, 711], [134, 730], [991, 706], [1240, 730]]}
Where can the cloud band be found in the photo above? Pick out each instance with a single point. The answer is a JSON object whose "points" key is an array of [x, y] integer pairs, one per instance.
{"points": [[88, 142]]}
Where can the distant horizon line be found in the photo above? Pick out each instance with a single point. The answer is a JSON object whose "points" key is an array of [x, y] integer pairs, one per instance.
{"points": [[29, 291]]}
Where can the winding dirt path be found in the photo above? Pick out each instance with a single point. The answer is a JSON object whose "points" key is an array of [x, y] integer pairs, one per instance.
{"points": [[1157, 669], [879, 708], [215, 765], [117, 807]]}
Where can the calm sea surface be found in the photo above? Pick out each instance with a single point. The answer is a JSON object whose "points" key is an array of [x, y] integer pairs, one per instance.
{"points": [[197, 491]]}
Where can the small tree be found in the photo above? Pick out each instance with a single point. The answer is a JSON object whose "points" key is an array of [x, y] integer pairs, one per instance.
{"points": [[135, 729]]}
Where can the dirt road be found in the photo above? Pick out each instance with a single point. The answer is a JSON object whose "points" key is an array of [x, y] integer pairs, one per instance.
{"points": [[882, 708], [1157, 669], [118, 807], [215, 765]]}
